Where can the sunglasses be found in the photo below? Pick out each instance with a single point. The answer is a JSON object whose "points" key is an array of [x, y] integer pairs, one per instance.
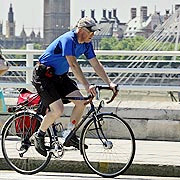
{"points": [[88, 29]]}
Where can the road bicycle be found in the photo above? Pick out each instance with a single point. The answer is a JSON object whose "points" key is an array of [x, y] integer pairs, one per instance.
{"points": [[110, 141]]}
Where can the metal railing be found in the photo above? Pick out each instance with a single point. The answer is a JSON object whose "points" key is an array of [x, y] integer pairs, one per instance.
{"points": [[30, 53]]}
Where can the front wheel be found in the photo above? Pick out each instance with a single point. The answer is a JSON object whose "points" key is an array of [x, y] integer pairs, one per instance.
{"points": [[111, 145]]}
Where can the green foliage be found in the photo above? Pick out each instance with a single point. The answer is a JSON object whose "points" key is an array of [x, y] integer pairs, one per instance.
{"points": [[38, 46], [125, 44], [17, 56], [108, 43], [130, 44], [115, 44]]}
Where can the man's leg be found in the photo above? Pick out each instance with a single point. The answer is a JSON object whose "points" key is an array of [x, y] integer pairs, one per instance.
{"points": [[76, 115], [56, 109], [78, 108]]}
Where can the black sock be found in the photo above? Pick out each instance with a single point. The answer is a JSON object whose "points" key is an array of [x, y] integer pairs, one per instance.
{"points": [[41, 133]]}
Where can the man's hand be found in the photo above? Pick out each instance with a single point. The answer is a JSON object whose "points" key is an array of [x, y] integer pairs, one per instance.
{"points": [[91, 90], [113, 87]]}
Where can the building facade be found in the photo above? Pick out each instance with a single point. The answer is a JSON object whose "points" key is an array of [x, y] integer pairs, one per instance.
{"points": [[56, 19], [144, 24], [10, 24], [10, 40]]}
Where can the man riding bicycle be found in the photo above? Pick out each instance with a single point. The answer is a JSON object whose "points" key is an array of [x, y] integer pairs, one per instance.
{"points": [[50, 77]]}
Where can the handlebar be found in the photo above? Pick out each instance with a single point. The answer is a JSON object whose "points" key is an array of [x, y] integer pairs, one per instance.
{"points": [[98, 89], [88, 98], [105, 87]]}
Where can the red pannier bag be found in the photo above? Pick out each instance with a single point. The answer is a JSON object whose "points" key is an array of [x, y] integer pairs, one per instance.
{"points": [[26, 125], [28, 97]]}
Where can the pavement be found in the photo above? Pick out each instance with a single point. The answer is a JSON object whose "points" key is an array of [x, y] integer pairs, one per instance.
{"points": [[11, 175], [152, 158]]}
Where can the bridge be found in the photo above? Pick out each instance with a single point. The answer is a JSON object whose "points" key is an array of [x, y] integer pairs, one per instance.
{"points": [[157, 75], [152, 67], [135, 74]]}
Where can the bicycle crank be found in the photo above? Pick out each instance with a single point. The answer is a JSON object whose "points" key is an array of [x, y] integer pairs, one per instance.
{"points": [[57, 150]]}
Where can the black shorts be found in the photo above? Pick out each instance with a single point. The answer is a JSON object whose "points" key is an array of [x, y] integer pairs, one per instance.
{"points": [[54, 88]]}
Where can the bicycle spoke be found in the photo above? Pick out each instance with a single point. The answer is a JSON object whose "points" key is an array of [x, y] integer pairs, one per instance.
{"points": [[110, 151], [16, 133]]}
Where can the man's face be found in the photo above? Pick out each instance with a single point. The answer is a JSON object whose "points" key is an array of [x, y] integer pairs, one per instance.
{"points": [[87, 35]]}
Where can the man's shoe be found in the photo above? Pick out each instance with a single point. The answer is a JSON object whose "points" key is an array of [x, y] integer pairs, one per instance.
{"points": [[74, 141], [38, 142]]}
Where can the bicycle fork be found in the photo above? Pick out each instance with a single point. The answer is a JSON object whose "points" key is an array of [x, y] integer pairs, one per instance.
{"points": [[98, 126]]}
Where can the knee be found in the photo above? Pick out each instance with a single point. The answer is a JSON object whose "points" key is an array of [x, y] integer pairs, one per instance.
{"points": [[57, 112], [80, 104]]}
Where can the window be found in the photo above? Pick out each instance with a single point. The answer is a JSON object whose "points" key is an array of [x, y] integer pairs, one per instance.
{"points": [[11, 31]]}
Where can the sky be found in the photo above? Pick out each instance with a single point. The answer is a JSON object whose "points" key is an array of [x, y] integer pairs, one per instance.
{"points": [[30, 12]]}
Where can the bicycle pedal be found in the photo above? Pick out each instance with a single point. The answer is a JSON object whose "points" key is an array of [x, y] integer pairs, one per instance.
{"points": [[22, 152], [31, 139]]}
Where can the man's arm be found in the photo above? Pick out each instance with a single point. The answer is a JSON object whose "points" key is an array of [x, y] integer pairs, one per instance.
{"points": [[79, 74], [99, 69]]}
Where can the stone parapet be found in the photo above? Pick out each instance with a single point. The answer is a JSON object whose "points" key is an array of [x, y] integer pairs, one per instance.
{"points": [[149, 120]]}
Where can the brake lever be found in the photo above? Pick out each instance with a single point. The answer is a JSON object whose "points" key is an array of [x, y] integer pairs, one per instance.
{"points": [[90, 98], [113, 96]]}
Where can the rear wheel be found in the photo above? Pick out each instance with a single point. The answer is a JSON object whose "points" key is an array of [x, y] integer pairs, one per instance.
{"points": [[19, 153], [111, 146]]}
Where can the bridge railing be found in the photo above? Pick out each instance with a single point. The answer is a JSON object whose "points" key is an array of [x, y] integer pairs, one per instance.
{"points": [[29, 53]]}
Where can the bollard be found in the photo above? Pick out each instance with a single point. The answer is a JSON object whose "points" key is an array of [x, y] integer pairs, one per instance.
{"points": [[2, 103]]}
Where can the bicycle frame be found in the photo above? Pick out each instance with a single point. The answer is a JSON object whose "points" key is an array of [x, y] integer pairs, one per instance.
{"points": [[92, 112], [96, 132], [54, 131]]}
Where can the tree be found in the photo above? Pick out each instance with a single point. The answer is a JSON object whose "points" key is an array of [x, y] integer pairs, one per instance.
{"points": [[108, 43], [115, 44], [38, 46], [134, 43]]}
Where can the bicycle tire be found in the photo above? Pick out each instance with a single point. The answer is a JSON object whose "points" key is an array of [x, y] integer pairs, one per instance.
{"points": [[115, 155], [32, 162]]}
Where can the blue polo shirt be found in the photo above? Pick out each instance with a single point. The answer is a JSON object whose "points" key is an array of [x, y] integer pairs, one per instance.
{"points": [[65, 45]]}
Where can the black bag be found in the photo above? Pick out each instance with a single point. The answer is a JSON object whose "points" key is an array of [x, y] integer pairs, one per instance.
{"points": [[44, 71]]}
